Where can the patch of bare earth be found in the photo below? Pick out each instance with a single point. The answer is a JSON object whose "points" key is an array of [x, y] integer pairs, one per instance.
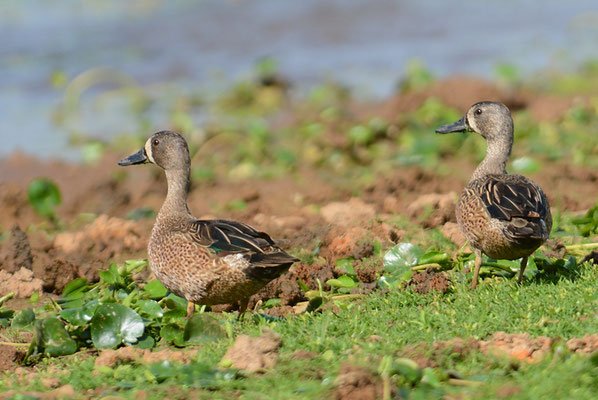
{"points": [[254, 354], [127, 355], [516, 346], [357, 383], [428, 281], [10, 357]]}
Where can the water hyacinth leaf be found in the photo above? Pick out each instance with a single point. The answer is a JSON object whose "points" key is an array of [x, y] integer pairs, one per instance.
{"points": [[23, 319], [113, 324], [172, 333], [55, 340], [44, 196], [145, 342], [6, 317], [77, 285], [150, 308], [315, 303], [434, 257], [173, 301], [346, 263], [402, 257], [155, 289], [274, 302], [79, 316], [408, 369], [132, 265], [343, 281], [203, 328]]}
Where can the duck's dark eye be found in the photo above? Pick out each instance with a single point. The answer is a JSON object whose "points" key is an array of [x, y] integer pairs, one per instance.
{"points": [[478, 111], [156, 142]]}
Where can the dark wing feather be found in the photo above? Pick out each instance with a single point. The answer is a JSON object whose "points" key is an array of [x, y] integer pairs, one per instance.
{"points": [[519, 201], [228, 237]]}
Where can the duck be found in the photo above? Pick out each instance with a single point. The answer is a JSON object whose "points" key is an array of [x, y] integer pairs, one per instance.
{"points": [[505, 216], [204, 261]]}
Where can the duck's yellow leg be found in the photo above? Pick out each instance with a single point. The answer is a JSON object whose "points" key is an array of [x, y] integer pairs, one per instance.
{"points": [[476, 271], [522, 269], [190, 309]]}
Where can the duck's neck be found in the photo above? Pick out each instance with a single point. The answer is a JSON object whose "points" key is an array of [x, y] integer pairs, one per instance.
{"points": [[175, 205], [497, 155]]}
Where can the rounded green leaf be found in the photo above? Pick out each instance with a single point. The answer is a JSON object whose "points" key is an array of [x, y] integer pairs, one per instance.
{"points": [[203, 328], [344, 282], [79, 316], [23, 319], [155, 289], [44, 196], [434, 257], [113, 324], [75, 286], [408, 368], [172, 332], [402, 257], [55, 340], [150, 308]]}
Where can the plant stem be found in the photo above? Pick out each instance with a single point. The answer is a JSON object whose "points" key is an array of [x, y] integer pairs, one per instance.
{"points": [[6, 297], [424, 267], [13, 344], [463, 382], [581, 246]]}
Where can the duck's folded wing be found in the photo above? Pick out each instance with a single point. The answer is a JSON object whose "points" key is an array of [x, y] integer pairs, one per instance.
{"points": [[229, 236], [520, 202]]}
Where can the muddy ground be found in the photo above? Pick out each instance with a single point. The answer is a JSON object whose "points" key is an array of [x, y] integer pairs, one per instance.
{"points": [[340, 225]]}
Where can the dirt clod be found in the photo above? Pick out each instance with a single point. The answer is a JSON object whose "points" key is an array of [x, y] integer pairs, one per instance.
{"points": [[16, 253], [433, 209], [429, 280], [56, 274], [348, 213], [10, 357], [357, 383], [254, 354], [22, 283]]}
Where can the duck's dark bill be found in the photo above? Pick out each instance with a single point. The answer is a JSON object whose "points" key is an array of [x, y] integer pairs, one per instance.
{"points": [[459, 126], [137, 158]]}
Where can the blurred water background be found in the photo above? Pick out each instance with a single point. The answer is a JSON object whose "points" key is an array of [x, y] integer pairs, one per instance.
{"points": [[170, 46]]}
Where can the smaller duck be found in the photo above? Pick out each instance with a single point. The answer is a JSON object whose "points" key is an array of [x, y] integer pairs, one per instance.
{"points": [[502, 215], [204, 261]]}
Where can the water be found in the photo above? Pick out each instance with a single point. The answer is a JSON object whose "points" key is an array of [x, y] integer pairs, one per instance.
{"points": [[364, 44]]}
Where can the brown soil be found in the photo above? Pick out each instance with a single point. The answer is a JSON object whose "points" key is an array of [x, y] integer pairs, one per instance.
{"points": [[357, 383], [516, 346], [254, 354], [10, 356], [428, 281], [125, 355]]}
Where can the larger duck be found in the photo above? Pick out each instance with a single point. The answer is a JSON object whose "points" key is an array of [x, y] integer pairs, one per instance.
{"points": [[504, 216], [204, 261]]}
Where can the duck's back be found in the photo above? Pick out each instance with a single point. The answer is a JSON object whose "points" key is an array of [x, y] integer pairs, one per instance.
{"points": [[507, 216]]}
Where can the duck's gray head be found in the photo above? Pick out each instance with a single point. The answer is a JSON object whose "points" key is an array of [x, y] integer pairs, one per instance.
{"points": [[166, 149], [488, 118]]}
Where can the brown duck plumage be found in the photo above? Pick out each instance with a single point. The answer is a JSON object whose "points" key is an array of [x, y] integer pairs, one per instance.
{"points": [[204, 261], [503, 216]]}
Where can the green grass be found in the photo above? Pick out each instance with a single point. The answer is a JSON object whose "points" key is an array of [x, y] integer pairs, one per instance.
{"points": [[564, 309]]}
